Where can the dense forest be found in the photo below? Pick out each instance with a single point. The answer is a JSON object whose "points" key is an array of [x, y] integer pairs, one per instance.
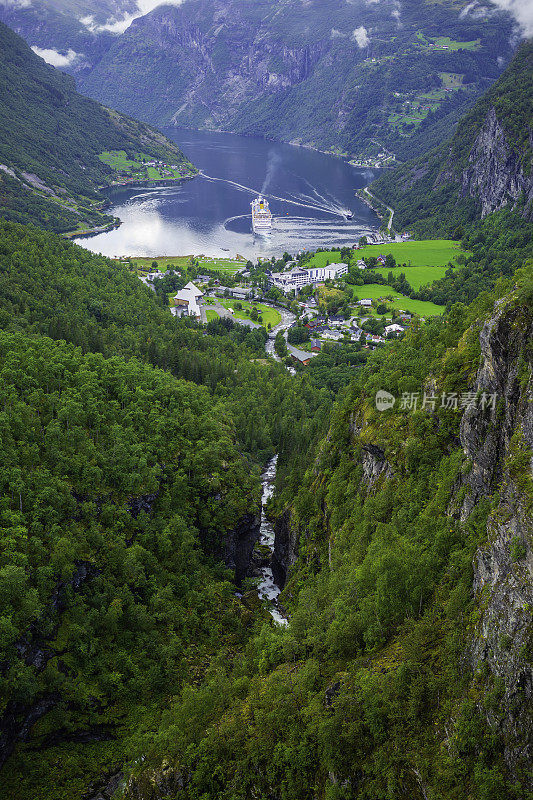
{"points": [[122, 486], [137, 660], [366, 694], [123, 638]]}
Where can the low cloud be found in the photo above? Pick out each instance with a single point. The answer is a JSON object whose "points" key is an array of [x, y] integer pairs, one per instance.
{"points": [[55, 58], [15, 3], [360, 35], [477, 11], [396, 10], [120, 24], [521, 10]]}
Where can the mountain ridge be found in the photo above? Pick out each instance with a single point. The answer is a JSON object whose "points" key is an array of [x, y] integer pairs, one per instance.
{"points": [[51, 138], [336, 76], [485, 166]]}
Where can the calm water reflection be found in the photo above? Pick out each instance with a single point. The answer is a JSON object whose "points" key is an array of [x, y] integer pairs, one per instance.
{"points": [[309, 194]]}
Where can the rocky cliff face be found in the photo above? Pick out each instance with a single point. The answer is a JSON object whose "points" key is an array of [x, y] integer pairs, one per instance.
{"points": [[239, 544], [317, 73], [285, 547], [495, 175], [501, 452]]}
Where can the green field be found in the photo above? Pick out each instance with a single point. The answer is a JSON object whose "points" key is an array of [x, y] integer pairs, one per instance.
{"points": [[451, 44], [270, 315], [416, 276], [230, 265], [221, 264], [135, 168], [210, 314], [375, 290], [451, 80], [424, 253]]}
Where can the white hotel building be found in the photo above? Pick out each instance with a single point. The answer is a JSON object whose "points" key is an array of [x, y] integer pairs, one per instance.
{"points": [[296, 277]]}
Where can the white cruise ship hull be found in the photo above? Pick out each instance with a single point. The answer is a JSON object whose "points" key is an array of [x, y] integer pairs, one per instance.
{"points": [[261, 216]]}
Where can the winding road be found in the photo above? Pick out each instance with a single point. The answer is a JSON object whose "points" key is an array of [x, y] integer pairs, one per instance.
{"points": [[389, 209]]}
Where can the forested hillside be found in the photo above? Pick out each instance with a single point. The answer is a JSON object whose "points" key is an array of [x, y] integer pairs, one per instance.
{"points": [[484, 167], [50, 140], [137, 661], [125, 490], [406, 669]]}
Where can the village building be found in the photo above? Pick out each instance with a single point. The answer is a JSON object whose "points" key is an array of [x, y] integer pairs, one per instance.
{"points": [[186, 301], [366, 302], [152, 276], [296, 277], [394, 328], [328, 333], [240, 293]]}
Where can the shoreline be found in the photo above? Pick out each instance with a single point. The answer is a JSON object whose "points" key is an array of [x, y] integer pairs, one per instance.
{"points": [[293, 142], [110, 226], [148, 182]]}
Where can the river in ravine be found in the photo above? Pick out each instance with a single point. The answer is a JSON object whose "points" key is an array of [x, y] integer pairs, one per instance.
{"points": [[267, 588], [310, 196]]}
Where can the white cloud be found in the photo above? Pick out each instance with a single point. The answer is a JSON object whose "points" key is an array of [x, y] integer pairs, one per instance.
{"points": [[120, 24], [521, 10], [15, 3], [360, 35], [396, 10], [54, 58], [336, 34]]}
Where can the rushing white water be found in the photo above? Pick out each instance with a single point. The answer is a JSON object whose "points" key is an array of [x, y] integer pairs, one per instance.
{"points": [[267, 589]]}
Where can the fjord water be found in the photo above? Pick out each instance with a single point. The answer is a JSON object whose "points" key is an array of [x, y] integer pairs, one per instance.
{"points": [[309, 194]]}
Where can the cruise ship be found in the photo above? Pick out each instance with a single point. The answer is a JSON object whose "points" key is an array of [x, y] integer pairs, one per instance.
{"points": [[261, 216]]}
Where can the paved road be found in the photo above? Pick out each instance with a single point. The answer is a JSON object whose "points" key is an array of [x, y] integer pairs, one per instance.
{"points": [[223, 312], [391, 210]]}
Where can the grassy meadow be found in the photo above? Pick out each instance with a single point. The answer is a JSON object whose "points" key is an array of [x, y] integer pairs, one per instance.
{"points": [[270, 315], [373, 291]]}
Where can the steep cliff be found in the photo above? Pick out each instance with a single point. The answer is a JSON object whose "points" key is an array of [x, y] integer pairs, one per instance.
{"points": [[501, 454], [333, 75], [496, 174], [484, 167]]}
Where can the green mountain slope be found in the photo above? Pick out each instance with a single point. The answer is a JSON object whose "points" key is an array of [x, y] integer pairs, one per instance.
{"points": [[485, 166], [128, 481], [405, 671], [353, 77], [50, 140]]}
